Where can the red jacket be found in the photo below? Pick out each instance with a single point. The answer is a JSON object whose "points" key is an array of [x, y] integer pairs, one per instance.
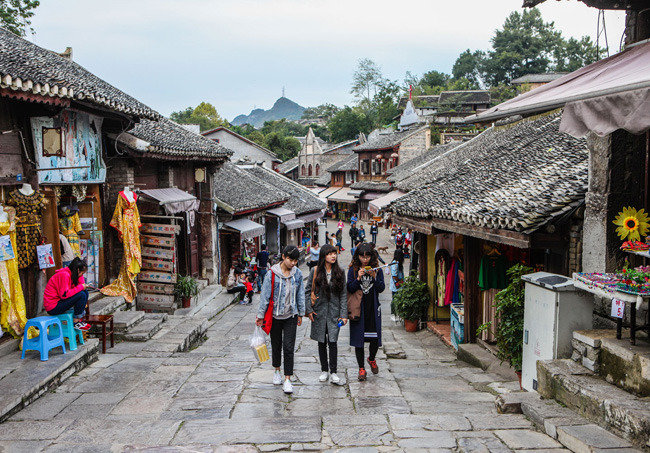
{"points": [[60, 287]]}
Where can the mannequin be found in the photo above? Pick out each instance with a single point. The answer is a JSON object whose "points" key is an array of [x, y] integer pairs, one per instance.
{"points": [[26, 189], [128, 194], [3, 214]]}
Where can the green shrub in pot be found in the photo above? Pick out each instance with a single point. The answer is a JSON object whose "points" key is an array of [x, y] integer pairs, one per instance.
{"points": [[412, 299], [185, 288]]}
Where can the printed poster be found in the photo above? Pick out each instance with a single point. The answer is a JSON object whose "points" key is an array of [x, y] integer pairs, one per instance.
{"points": [[6, 249], [45, 256]]}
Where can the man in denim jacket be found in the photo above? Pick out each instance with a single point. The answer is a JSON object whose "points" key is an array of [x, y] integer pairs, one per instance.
{"points": [[288, 310]]}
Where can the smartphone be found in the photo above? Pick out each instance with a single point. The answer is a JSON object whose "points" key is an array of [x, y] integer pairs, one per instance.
{"points": [[368, 268]]}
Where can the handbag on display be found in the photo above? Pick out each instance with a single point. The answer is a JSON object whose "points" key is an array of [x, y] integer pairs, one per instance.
{"points": [[268, 316]]}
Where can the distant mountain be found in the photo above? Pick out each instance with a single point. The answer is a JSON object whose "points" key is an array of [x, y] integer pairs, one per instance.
{"points": [[283, 108]]}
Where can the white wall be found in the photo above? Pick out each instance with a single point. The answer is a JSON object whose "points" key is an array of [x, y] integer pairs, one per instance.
{"points": [[241, 148]]}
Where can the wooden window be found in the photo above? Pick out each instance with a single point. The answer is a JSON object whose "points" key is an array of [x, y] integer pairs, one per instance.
{"points": [[309, 170], [302, 170], [317, 169]]}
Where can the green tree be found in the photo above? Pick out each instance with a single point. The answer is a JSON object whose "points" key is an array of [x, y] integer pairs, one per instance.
{"points": [[367, 77], [384, 107], [468, 66], [573, 54], [348, 123], [204, 114], [321, 111], [434, 78], [15, 15], [283, 146]]}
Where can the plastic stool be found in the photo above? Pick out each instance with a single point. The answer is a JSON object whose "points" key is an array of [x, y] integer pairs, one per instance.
{"points": [[69, 331], [45, 340]]}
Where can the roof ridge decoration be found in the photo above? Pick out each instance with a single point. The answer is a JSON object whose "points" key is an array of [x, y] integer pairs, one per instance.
{"points": [[28, 68]]}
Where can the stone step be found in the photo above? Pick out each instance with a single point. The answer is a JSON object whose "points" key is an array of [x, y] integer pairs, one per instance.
{"points": [[9, 346], [206, 294], [149, 325], [125, 320], [600, 402], [30, 378], [106, 305]]}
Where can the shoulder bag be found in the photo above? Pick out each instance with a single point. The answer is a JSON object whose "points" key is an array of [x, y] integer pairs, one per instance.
{"points": [[268, 316], [314, 298]]}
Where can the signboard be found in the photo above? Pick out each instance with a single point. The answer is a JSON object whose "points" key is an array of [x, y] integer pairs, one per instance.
{"points": [[618, 308]]}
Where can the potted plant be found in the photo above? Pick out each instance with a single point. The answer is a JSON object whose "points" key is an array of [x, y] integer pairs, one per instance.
{"points": [[411, 302], [509, 331], [186, 288]]}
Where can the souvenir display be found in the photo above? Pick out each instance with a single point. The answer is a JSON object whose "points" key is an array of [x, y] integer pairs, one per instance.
{"points": [[29, 209], [70, 227], [12, 302], [126, 220], [632, 224], [635, 246], [45, 256]]}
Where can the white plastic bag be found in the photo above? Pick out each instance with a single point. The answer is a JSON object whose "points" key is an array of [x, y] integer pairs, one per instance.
{"points": [[258, 345]]}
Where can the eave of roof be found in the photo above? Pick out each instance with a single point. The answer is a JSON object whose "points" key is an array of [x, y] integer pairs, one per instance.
{"points": [[250, 142]]}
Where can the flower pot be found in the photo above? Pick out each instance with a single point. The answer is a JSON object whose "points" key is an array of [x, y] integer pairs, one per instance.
{"points": [[186, 302], [410, 325]]}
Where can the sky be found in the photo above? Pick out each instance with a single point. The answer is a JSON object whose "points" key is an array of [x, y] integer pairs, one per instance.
{"points": [[239, 54]]}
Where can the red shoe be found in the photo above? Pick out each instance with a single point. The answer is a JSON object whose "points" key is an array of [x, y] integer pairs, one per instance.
{"points": [[82, 326], [373, 366], [362, 374]]}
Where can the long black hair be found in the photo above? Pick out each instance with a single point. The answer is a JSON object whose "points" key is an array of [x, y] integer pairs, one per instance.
{"points": [[398, 257], [338, 277], [76, 267], [365, 249]]}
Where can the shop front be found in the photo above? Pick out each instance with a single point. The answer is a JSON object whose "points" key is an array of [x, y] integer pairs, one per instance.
{"points": [[275, 219], [343, 204], [239, 242]]}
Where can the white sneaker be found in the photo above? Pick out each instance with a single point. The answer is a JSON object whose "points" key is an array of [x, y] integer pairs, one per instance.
{"points": [[277, 378], [287, 387], [334, 379], [323, 376]]}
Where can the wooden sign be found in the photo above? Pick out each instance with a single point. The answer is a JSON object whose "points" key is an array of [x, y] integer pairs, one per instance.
{"points": [[158, 277], [155, 288], [157, 241], [163, 254], [160, 266], [159, 228]]}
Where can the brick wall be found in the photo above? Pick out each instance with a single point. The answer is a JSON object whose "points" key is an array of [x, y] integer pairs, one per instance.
{"points": [[415, 145]]}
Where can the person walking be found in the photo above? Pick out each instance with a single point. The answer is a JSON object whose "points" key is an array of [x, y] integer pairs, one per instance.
{"points": [[262, 259], [354, 236], [408, 238], [374, 230], [339, 240], [314, 253], [354, 219], [396, 279], [362, 277], [362, 233], [285, 282], [326, 309], [340, 225]]}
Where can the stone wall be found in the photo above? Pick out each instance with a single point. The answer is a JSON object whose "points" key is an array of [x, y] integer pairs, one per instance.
{"points": [[415, 145]]}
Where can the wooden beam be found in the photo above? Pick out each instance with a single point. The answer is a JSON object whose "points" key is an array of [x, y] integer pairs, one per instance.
{"points": [[420, 225], [471, 267], [506, 237]]}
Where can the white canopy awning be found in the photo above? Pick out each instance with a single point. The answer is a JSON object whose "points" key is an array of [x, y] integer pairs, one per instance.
{"points": [[293, 224], [175, 201], [610, 94], [246, 227], [376, 205], [343, 196], [311, 216], [282, 213]]}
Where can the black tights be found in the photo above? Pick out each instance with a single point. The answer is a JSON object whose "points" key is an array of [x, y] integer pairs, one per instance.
{"points": [[374, 347]]}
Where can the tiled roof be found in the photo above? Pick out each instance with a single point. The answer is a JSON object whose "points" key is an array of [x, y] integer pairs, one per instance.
{"points": [[237, 189], [465, 97], [169, 139], [373, 186], [409, 168], [301, 200], [324, 180], [286, 167], [28, 68], [421, 102], [387, 140], [348, 164], [341, 148], [538, 78], [515, 177]]}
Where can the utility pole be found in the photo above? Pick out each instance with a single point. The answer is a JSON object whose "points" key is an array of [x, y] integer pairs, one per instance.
{"points": [[282, 90]]}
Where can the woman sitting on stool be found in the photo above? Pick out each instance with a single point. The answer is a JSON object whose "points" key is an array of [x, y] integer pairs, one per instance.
{"points": [[67, 289]]}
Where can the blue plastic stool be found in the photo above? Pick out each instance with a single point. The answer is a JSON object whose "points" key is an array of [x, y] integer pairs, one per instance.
{"points": [[69, 332], [46, 339]]}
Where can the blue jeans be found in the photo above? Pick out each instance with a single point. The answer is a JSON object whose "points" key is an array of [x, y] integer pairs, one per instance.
{"points": [[260, 278], [78, 302]]}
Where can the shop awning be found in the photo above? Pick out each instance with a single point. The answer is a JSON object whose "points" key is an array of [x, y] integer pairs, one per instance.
{"points": [[376, 205], [247, 228], [343, 196], [282, 213], [329, 191], [293, 224], [311, 216], [175, 201], [372, 195], [610, 94]]}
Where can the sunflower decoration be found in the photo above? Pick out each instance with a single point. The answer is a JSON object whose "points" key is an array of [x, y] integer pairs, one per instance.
{"points": [[632, 224]]}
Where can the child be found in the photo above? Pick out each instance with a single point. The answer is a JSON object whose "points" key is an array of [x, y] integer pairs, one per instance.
{"points": [[248, 284], [285, 282], [327, 282]]}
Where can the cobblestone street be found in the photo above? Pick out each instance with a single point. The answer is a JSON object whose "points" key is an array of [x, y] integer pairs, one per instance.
{"points": [[138, 397]]}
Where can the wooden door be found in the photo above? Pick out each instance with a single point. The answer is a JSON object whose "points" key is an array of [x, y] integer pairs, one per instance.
{"points": [[193, 239]]}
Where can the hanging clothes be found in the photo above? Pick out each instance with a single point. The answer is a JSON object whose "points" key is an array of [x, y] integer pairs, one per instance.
{"points": [[67, 254], [70, 227], [452, 285], [29, 209], [13, 313], [126, 220], [492, 273], [442, 260]]}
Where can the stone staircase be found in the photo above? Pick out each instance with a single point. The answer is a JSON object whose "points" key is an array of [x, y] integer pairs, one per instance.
{"points": [[605, 382]]}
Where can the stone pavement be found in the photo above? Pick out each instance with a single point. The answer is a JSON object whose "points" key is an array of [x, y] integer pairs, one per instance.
{"points": [[143, 398]]}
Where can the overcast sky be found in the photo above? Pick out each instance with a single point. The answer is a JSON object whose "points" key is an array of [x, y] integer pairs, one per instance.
{"points": [[238, 54]]}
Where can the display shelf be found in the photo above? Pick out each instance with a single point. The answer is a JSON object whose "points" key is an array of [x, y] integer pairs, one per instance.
{"points": [[644, 253]]}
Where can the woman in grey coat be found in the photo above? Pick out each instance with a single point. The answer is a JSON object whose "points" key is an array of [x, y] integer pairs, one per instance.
{"points": [[328, 309]]}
